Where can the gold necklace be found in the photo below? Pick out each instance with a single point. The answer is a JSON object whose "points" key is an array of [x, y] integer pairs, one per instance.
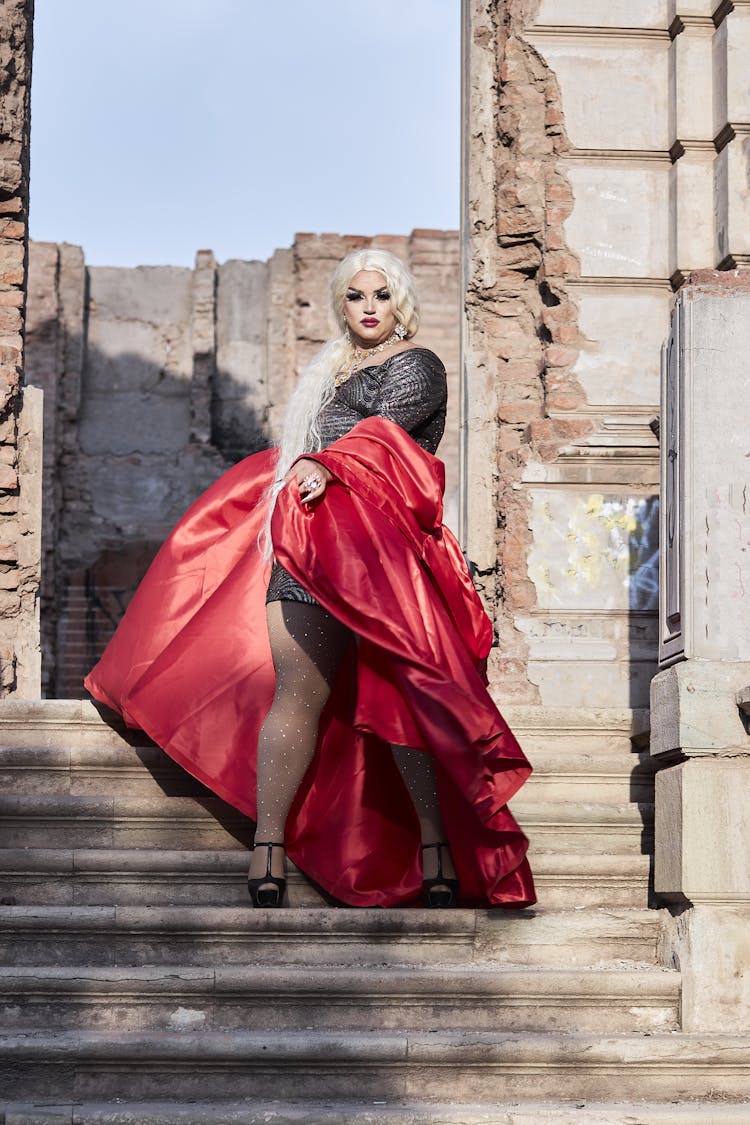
{"points": [[361, 354]]}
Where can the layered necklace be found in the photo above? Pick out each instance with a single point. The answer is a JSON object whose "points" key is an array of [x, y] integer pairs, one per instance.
{"points": [[363, 354]]}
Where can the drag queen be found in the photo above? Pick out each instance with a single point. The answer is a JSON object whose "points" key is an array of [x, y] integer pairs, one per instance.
{"points": [[308, 642]]}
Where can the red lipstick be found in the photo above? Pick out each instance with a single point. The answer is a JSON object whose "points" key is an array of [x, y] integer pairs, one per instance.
{"points": [[370, 322]]}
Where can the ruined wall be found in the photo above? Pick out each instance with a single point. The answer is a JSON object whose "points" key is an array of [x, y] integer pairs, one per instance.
{"points": [[20, 411], [155, 380], [603, 158]]}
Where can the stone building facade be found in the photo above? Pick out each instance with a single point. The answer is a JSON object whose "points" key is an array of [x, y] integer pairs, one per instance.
{"points": [[156, 379], [606, 148]]}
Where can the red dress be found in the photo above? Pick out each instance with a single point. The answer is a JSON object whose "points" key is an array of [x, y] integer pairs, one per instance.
{"points": [[190, 664]]}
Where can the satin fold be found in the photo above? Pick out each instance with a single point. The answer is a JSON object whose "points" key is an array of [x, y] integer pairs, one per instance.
{"points": [[190, 664]]}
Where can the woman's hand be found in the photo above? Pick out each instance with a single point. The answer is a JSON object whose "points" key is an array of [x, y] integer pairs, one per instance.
{"points": [[311, 479]]}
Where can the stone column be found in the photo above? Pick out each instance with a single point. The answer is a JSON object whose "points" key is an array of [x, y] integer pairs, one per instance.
{"points": [[699, 730]]}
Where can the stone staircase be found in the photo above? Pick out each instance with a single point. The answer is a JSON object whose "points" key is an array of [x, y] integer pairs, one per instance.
{"points": [[140, 987]]}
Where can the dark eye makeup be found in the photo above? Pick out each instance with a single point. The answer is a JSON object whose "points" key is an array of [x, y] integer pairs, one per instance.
{"points": [[355, 295]]}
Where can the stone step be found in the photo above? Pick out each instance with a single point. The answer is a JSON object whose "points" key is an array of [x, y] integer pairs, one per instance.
{"points": [[461, 1067], [383, 1112], [338, 997], [127, 876], [75, 722], [147, 771], [207, 935], [121, 822], [185, 822]]}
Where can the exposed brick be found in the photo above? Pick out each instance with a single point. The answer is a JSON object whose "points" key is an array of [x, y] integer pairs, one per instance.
{"points": [[559, 191], [10, 319], [561, 356], [12, 228], [8, 477], [530, 264]]}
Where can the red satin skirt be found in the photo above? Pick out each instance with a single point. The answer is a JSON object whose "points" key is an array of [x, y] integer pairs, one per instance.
{"points": [[190, 665]]}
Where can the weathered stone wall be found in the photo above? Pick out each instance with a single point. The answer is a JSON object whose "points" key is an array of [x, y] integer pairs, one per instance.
{"points": [[20, 420], [155, 380], [603, 163]]}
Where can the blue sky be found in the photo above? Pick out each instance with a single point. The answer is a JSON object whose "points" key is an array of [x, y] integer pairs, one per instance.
{"points": [[164, 126]]}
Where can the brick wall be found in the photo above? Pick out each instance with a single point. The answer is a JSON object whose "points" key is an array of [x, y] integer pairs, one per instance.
{"points": [[20, 421]]}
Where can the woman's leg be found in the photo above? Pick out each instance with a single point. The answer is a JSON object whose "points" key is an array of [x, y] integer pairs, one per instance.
{"points": [[307, 644], [418, 772]]}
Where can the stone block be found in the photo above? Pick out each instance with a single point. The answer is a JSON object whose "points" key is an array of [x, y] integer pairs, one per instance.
{"points": [[691, 239], [732, 201], [620, 223], [694, 709], [618, 364], [154, 294], [731, 55], [706, 526], [241, 384], [711, 947], [701, 831], [593, 13], [613, 94], [144, 424], [691, 114], [704, 8], [129, 356]]}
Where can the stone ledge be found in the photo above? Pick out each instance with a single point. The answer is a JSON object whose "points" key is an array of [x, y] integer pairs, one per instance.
{"points": [[207, 935], [334, 1112], [478, 1067], [336, 997], [719, 282]]}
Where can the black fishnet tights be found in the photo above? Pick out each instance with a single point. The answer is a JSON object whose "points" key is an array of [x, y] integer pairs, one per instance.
{"points": [[308, 644]]}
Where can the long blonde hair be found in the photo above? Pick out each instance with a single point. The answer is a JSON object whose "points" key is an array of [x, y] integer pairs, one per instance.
{"points": [[317, 382]]}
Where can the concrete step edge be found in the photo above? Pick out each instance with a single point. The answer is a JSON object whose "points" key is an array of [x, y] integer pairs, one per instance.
{"points": [[139, 862], [649, 1051], [331, 922], [15, 808], [106, 759], [46, 713], [375, 1113], [650, 985]]}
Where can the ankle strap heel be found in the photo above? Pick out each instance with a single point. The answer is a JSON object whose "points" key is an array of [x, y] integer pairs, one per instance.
{"points": [[440, 892], [268, 890]]}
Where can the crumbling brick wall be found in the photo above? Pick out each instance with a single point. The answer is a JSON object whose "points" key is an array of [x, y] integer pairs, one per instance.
{"points": [[523, 336], [19, 421]]}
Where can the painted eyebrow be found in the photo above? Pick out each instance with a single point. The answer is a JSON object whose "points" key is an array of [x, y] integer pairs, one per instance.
{"points": [[382, 289]]}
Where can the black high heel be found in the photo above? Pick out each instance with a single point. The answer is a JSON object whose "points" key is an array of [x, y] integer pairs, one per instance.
{"points": [[439, 892], [269, 890]]}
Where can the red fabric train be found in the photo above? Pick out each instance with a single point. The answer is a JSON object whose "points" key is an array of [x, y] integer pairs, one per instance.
{"points": [[190, 664]]}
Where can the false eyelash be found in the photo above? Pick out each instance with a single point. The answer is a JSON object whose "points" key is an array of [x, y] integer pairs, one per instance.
{"points": [[383, 295]]}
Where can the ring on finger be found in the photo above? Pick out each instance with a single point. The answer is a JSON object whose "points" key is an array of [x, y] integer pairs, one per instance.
{"points": [[311, 483]]}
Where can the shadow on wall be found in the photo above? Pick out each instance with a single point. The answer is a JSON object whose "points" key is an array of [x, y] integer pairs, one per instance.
{"points": [[144, 444]]}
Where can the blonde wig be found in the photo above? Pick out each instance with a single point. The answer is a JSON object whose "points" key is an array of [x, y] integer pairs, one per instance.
{"points": [[317, 382]]}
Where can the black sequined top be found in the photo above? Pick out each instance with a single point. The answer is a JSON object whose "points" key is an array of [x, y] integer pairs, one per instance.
{"points": [[410, 389]]}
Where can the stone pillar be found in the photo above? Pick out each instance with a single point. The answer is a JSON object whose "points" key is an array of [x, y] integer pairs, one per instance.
{"points": [[702, 859], [203, 334], [20, 414], [240, 408]]}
